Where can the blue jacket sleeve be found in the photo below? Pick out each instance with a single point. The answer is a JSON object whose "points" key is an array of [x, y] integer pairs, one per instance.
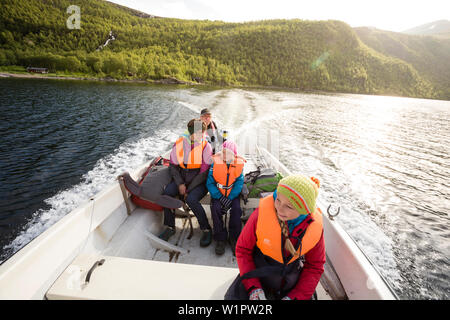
{"points": [[211, 184], [237, 187]]}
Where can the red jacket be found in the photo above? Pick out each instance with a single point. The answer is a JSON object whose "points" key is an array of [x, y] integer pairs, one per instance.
{"points": [[312, 269]]}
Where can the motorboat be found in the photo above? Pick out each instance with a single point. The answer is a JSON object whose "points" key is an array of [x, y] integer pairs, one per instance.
{"points": [[108, 248]]}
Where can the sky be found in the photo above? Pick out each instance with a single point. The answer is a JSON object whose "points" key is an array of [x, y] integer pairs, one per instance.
{"points": [[392, 15]]}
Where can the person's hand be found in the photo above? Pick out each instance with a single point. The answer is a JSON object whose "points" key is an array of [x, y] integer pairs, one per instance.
{"points": [[226, 203], [182, 189], [257, 294]]}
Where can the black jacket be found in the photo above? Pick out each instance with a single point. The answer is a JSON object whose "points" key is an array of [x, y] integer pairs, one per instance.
{"points": [[190, 177]]}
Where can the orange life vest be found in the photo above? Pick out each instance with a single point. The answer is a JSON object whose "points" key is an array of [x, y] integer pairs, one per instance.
{"points": [[225, 175], [195, 155], [268, 231]]}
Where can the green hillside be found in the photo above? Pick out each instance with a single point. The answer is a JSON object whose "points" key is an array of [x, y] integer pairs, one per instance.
{"points": [[317, 55], [430, 56]]}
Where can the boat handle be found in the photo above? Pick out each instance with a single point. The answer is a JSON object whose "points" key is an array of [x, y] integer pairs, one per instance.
{"points": [[332, 216], [96, 264]]}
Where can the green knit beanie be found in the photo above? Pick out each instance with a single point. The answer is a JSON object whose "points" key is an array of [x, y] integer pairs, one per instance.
{"points": [[301, 191]]}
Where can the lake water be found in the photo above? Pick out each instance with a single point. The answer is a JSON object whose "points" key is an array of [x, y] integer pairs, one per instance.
{"points": [[384, 160]]}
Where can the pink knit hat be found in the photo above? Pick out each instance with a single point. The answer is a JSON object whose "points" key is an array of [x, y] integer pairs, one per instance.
{"points": [[230, 145]]}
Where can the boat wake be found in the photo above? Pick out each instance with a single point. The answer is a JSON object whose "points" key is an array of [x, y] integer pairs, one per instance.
{"points": [[125, 158], [284, 132]]}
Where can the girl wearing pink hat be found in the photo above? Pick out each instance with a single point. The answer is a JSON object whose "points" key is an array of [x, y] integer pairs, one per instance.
{"points": [[224, 183]]}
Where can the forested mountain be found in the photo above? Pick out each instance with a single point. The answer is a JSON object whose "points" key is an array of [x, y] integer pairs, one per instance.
{"points": [[318, 55], [430, 56]]}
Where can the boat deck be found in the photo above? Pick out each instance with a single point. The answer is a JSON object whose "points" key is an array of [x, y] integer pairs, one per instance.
{"points": [[116, 246], [138, 265], [181, 249]]}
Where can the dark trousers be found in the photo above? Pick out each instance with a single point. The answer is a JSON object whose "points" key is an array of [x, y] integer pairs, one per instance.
{"points": [[234, 224], [192, 200]]}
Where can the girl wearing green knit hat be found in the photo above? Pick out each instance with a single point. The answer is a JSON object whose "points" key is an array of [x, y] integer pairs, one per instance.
{"points": [[286, 226]]}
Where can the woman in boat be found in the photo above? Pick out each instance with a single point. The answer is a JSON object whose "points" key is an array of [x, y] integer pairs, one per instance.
{"points": [[190, 160], [281, 249], [224, 183], [212, 133]]}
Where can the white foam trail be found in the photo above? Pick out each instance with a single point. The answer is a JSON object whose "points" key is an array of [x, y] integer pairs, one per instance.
{"points": [[372, 241], [291, 103], [190, 106], [338, 190], [127, 157]]}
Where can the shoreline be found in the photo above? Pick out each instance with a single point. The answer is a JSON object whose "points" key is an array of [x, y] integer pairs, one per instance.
{"points": [[5, 74], [172, 80]]}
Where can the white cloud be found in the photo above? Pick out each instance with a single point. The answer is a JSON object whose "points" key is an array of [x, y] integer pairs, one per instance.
{"points": [[392, 15], [167, 8], [176, 9]]}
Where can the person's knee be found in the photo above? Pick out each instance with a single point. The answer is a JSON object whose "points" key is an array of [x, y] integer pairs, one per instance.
{"points": [[236, 204], [191, 200], [170, 190], [215, 204]]}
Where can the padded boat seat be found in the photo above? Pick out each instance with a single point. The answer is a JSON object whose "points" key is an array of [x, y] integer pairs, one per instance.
{"points": [[124, 278]]}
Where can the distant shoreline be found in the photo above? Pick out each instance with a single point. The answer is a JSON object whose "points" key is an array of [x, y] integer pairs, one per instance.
{"points": [[170, 81], [4, 74], [42, 76]]}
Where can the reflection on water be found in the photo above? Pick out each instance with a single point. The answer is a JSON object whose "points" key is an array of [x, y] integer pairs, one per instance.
{"points": [[384, 160]]}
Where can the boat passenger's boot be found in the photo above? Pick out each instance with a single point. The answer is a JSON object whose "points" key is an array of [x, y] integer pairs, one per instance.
{"points": [[167, 233], [206, 238], [220, 247]]}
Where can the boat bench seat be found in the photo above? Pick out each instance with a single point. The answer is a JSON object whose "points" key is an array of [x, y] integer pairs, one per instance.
{"points": [[251, 202], [124, 278]]}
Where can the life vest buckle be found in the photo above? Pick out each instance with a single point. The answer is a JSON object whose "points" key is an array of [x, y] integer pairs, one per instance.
{"points": [[221, 186]]}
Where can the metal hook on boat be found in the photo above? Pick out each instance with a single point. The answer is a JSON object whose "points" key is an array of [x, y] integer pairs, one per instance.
{"points": [[332, 216]]}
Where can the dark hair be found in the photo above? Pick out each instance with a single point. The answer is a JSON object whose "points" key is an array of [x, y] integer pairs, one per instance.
{"points": [[205, 111], [192, 125]]}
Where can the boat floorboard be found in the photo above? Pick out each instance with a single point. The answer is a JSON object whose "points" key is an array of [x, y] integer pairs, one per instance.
{"points": [[195, 253]]}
